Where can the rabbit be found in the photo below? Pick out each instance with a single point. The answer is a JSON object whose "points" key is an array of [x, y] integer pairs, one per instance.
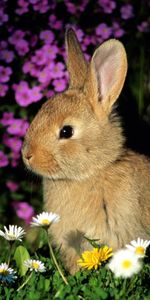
{"points": [[99, 188]]}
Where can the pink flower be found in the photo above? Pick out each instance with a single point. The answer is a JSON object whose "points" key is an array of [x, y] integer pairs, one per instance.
{"points": [[40, 57], [7, 119], [22, 47], [143, 27], [3, 89], [117, 30], [15, 156], [47, 36], [3, 45], [21, 11], [5, 73], [57, 70], [12, 186], [107, 5], [45, 76], [59, 84], [7, 55], [103, 31], [126, 11], [3, 17], [18, 127], [36, 94], [31, 68], [3, 159], [16, 37], [14, 143], [71, 7], [55, 23], [33, 40], [50, 51], [23, 93], [24, 211]]}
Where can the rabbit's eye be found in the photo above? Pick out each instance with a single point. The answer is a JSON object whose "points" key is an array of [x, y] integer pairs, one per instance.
{"points": [[66, 132]]}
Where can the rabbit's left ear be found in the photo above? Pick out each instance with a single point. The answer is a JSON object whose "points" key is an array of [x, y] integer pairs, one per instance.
{"points": [[76, 63], [106, 74]]}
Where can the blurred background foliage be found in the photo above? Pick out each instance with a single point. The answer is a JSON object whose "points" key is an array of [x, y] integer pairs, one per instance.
{"points": [[32, 68]]}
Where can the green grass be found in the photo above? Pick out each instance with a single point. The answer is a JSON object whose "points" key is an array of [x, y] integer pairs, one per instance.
{"points": [[90, 285]]}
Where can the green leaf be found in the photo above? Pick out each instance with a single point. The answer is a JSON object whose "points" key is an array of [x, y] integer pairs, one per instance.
{"points": [[21, 254]]}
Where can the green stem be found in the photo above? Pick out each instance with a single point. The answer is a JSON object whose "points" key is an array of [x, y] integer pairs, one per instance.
{"points": [[54, 259], [25, 282], [10, 252]]}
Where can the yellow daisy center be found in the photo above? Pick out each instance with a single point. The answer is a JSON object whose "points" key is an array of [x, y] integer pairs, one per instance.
{"points": [[35, 265], [94, 258], [4, 272], [126, 264], [45, 222], [140, 250]]}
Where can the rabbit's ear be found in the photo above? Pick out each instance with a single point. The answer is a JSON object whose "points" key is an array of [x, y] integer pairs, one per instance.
{"points": [[107, 73], [76, 63]]}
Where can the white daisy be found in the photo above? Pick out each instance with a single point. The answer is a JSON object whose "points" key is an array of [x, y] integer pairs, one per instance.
{"points": [[124, 263], [7, 274], [35, 265], [13, 233], [45, 219], [138, 247]]}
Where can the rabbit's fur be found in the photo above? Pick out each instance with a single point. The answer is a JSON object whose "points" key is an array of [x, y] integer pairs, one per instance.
{"points": [[99, 188]]}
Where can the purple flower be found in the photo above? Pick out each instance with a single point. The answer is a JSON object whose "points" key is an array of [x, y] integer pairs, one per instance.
{"points": [[50, 51], [103, 31], [47, 36], [12, 186], [7, 55], [3, 89], [40, 57], [59, 84], [16, 37], [31, 68], [5, 73], [15, 156], [54, 22], [3, 159], [71, 7], [45, 76], [22, 47], [3, 17], [23, 93], [14, 143], [18, 127], [57, 70], [24, 211], [3, 45], [21, 11], [36, 93], [117, 30], [7, 119], [143, 27], [107, 5], [126, 11]]}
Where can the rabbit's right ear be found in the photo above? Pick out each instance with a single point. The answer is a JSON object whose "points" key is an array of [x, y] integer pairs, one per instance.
{"points": [[106, 75], [76, 63]]}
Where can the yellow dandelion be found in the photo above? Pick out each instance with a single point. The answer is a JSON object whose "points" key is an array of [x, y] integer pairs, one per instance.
{"points": [[93, 259]]}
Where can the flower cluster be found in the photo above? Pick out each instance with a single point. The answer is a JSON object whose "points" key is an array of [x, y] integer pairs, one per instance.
{"points": [[127, 262], [123, 263], [15, 233], [32, 65]]}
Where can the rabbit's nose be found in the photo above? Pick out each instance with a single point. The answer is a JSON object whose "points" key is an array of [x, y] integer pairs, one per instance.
{"points": [[28, 156]]}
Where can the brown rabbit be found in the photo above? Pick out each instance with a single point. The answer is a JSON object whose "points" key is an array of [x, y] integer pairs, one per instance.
{"points": [[75, 142]]}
